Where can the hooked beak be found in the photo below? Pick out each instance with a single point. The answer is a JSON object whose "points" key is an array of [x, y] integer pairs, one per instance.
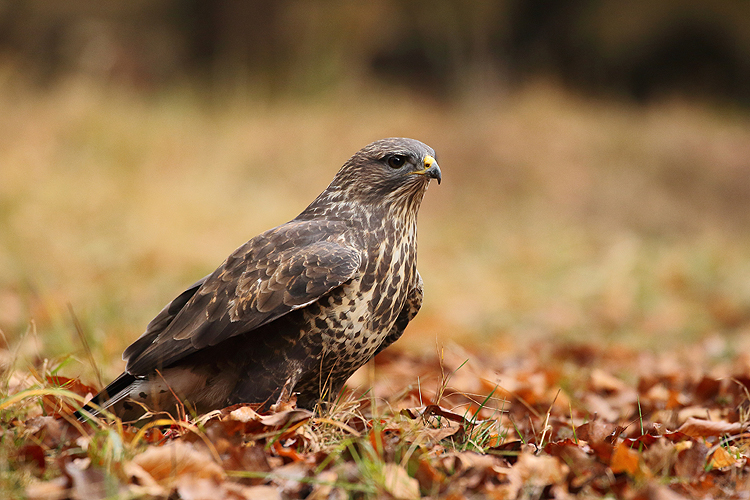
{"points": [[431, 169]]}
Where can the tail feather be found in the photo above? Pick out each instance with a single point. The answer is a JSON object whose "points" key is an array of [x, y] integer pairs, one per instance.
{"points": [[115, 392]]}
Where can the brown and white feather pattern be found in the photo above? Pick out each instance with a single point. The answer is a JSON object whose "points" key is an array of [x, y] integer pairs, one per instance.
{"points": [[298, 308]]}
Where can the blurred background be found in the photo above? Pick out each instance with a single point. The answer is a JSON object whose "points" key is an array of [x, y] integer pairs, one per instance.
{"points": [[596, 160]]}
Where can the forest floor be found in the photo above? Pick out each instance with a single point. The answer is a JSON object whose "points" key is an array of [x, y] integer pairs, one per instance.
{"points": [[553, 421]]}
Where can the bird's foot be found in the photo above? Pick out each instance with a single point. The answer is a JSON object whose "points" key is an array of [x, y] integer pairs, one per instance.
{"points": [[287, 399]]}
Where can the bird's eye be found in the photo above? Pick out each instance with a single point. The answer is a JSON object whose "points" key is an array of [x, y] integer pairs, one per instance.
{"points": [[396, 161]]}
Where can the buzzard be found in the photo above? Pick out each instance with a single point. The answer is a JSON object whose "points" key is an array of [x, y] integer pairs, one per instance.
{"points": [[298, 308]]}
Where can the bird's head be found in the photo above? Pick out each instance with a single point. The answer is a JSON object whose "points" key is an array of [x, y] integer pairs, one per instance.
{"points": [[390, 173], [386, 171]]}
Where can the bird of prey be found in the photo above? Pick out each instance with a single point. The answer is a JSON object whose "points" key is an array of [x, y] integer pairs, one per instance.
{"points": [[298, 308]]}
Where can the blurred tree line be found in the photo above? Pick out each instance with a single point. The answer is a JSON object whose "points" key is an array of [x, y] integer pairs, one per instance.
{"points": [[640, 48]]}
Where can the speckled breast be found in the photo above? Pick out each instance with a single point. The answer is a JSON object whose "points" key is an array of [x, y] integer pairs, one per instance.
{"points": [[354, 319]]}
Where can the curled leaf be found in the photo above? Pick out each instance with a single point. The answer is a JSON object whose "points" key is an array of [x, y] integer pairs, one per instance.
{"points": [[695, 427]]}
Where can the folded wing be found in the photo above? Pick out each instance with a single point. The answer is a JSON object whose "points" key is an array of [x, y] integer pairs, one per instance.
{"points": [[281, 270]]}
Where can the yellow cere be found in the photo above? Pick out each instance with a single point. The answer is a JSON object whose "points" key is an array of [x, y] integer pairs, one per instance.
{"points": [[428, 161]]}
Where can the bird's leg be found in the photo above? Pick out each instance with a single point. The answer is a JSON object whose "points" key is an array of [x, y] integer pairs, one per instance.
{"points": [[283, 401]]}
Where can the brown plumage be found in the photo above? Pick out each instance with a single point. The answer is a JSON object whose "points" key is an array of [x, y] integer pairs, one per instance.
{"points": [[298, 308]]}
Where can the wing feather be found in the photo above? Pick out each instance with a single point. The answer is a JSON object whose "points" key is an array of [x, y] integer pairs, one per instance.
{"points": [[281, 270], [162, 320]]}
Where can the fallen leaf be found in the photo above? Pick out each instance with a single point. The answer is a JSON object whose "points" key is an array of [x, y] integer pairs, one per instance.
{"points": [[696, 427], [247, 458], [604, 382], [540, 470], [289, 478], [660, 456], [583, 465], [58, 406], [509, 450], [641, 442], [190, 487], [142, 483], [708, 388], [429, 410], [468, 461], [88, 482], [699, 413], [533, 473], [601, 407], [71, 384], [398, 484], [428, 477], [289, 458], [55, 489], [323, 487], [597, 431], [436, 435], [603, 451], [166, 463], [262, 493], [32, 454], [721, 458], [624, 459], [659, 492], [244, 414], [49, 431], [286, 418], [691, 458], [677, 437], [287, 452]]}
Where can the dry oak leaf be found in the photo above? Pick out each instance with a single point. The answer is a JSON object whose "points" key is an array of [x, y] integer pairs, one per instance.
{"points": [[168, 462], [696, 427]]}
